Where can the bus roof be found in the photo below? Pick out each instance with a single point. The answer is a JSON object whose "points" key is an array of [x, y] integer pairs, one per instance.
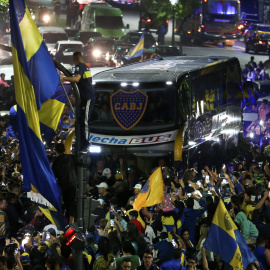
{"points": [[169, 68]]}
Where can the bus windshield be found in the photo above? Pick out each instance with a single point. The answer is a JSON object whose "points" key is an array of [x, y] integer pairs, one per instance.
{"points": [[218, 7], [109, 22], [159, 111]]}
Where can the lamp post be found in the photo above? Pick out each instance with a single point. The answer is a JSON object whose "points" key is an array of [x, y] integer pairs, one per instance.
{"points": [[141, 8], [173, 3]]}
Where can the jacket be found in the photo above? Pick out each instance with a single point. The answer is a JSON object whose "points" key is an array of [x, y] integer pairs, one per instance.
{"points": [[248, 229]]}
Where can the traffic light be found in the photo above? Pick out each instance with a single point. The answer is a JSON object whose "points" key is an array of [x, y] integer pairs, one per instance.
{"points": [[74, 237]]}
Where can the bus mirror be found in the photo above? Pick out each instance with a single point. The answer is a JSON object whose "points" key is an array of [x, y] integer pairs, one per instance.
{"points": [[127, 26]]}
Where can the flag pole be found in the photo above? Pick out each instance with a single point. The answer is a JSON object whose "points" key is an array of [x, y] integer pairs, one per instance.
{"points": [[77, 254], [67, 97]]}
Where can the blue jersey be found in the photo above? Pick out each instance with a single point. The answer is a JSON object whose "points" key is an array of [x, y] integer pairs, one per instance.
{"points": [[85, 83]]}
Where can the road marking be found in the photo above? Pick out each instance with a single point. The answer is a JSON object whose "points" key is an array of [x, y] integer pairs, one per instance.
{"points": [[238, 47]]}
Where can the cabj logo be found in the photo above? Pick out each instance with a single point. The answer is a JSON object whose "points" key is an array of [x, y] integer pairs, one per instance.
{"points": [[128, 107]]}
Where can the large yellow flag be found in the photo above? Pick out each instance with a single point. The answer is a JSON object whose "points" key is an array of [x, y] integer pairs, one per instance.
{"points": [[152, 192]]}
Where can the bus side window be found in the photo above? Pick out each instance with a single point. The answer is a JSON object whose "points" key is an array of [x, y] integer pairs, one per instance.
{"points": [[184, 94], [207, 91]]}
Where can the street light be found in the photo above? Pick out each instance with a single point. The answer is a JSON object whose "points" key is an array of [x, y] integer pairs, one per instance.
{"points": [[173, 2]]}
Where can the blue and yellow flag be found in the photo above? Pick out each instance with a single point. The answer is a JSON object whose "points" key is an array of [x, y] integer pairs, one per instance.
{"points": [[137, 50], [225, 239], [36, 80], [49, 114], [51, 111], [152, 192]]}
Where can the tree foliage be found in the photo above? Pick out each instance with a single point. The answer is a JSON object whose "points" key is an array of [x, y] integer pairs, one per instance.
{"points": [[4, 2], [183, 8], [3, 5]]}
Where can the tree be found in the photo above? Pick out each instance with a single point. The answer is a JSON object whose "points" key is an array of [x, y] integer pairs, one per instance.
{"points": [[3, 5], [183, 8]]}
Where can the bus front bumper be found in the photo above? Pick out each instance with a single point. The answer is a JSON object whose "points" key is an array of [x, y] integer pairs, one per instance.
{"points": [[215, 36]]}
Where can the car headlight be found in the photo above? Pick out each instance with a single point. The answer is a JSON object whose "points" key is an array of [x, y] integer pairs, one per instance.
{"points": [[46, 18], [96, 53], [33, 16]]}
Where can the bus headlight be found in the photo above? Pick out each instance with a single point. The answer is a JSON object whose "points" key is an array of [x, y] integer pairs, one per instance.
{"points": [[96, 53]]}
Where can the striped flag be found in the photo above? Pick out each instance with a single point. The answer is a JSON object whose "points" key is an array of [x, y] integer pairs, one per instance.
{"points": [[225, 239], [136, 51], [36, 80]]}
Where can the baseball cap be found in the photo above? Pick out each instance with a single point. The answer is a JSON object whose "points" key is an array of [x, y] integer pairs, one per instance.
{"points": [[102, 185], [138, 186], [54, 230], [107, 172]]}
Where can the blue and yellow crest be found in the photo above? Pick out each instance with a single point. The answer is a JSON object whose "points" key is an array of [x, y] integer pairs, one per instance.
{"points": [[128, 107]]}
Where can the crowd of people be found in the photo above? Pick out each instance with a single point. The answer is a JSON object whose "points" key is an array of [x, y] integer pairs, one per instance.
{"points": [[169, 235], [257, 109], [253, 71]]}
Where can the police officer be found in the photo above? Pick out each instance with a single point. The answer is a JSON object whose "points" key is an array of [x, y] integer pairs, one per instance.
{"points": [[83, 78]]}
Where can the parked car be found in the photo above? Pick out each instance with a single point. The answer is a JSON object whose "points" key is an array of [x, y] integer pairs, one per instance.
{"points": [[166, 50], [133, 37], [84, 36], [257, 42], [254, 28]]}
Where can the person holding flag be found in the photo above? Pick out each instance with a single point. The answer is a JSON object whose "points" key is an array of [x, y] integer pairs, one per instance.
{"points": [[152, 192], [83, 78], [225, 239]]}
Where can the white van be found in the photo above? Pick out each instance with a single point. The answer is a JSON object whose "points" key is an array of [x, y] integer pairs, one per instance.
{"points": [[51, 35]]}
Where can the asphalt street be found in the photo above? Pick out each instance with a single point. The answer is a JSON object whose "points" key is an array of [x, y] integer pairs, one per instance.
{"points": [[238, 50], [131, 17]]}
